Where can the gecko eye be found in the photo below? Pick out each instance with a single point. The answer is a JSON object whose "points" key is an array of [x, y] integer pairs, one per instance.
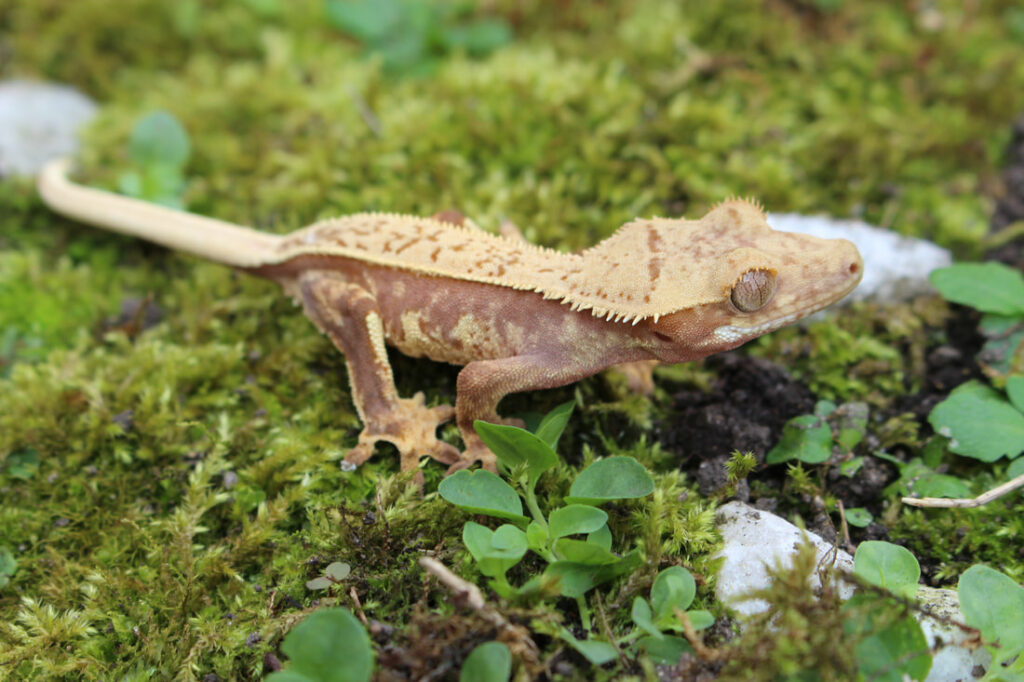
{"points": [[753, 290]]}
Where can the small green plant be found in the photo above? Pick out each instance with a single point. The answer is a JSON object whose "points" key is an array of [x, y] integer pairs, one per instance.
{"points": [[859, 517], [810, 438], [8, 566], [888, 566], [887, 648], [575, 564], [21, 464], [920, 476], [997, 291], [992, 288], [411, 35], [979, 420], [159, 150], [489, 662], [994, 603], [334, 574], [672, 593], [330, 645]]}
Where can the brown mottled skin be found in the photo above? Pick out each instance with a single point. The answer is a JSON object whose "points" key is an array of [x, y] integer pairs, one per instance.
{"points": [[518, 317]]}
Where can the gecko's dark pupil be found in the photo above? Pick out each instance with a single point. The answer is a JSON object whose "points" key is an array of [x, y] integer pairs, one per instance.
{"points": [[753, 290]]}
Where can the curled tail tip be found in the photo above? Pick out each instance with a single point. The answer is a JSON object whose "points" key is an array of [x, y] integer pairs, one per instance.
{"points": [[53, 173], [55, 168]]}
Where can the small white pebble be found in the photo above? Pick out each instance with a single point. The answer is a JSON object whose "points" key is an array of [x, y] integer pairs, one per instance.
{"points": [[39, 122]]}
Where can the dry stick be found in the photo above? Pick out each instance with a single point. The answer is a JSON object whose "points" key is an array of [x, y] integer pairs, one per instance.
{"points": [[359, 606], [845, 527], [470, 595], [365, 111], [703, 651], [967, 502], [606, 629]]}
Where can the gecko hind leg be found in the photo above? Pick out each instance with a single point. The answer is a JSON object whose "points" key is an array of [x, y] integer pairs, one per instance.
{"points": [[348, 314]]}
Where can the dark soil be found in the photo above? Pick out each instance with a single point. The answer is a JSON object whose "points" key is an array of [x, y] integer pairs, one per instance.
{"points": [[752, 399], [749, 403], [1010, 205]]}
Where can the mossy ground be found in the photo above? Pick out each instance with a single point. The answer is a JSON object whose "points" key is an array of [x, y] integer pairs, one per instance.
{"points": [[188, 482]]}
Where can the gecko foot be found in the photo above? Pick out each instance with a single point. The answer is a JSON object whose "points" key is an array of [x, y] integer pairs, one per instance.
{"points": [[639, 375], [476, 451], [411, 427]]}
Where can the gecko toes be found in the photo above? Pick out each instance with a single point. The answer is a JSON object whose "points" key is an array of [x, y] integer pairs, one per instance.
{"points": [[411, 427], [443, 413]]}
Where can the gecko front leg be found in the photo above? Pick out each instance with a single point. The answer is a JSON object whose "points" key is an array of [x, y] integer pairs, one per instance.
{"points": [[481, 386], [349, 315]]}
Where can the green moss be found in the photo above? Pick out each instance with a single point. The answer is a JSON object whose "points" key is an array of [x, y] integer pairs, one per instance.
{"points": [[188, 483], [868, 352], [954, 541], [814, 634]]}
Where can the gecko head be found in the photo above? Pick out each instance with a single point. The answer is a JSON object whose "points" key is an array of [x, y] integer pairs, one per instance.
{"points": [[755, 280]]}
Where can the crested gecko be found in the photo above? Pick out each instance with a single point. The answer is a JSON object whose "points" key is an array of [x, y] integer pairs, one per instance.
{"points": [[519, 317]]}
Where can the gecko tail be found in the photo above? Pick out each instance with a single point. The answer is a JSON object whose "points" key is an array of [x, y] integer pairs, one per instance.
{"points": [[208, 238]]}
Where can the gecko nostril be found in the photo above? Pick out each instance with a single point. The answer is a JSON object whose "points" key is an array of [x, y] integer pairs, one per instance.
{"points": [[854, 268]]}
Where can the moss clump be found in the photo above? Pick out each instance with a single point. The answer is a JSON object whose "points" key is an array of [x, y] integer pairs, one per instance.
{"points": [[804, 634], [955, 541]]}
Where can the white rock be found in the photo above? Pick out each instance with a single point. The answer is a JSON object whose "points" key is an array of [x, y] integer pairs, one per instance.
{"points": [[755, 539], [952, 661], [895, 267], [39, 122]]}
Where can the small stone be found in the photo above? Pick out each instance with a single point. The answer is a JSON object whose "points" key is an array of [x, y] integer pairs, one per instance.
{"points": [[253, 639], [954, 659], [39, 122], [271, 662], [381, 632], [124, 419], [755, 539]]}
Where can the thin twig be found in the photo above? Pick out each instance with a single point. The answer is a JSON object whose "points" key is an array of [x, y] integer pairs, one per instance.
{"points": [[365, 111], [845, 526], [967, 502], [358, 605], [469, 595], [705, 653], [606, 629], [464, 591]]}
